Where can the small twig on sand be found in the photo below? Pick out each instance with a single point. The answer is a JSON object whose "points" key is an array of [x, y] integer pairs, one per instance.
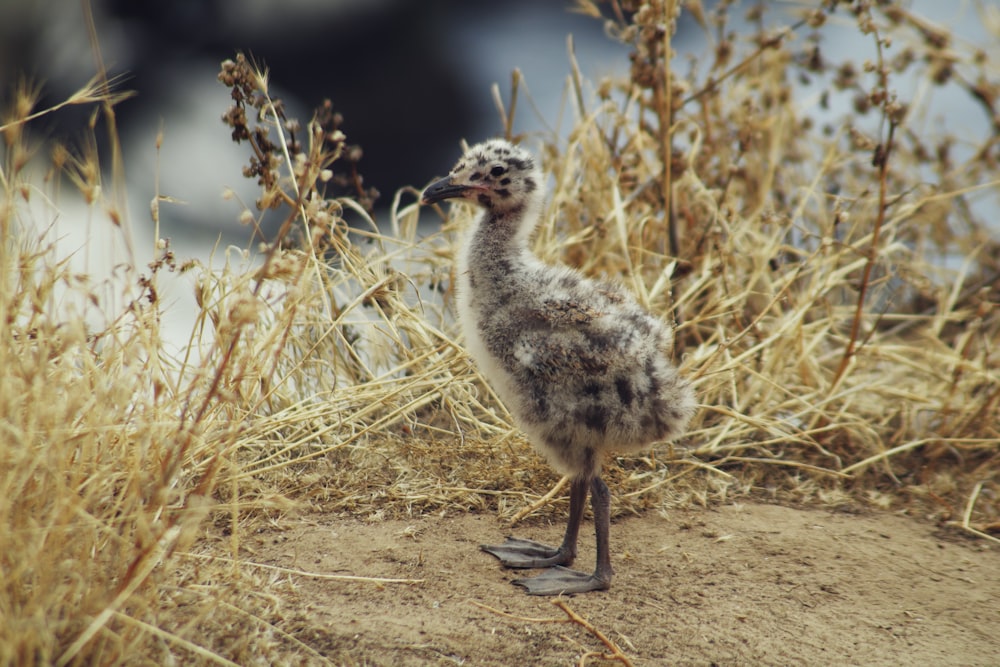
{"points": [[616, 653], [304, 573], [967, 516], [572, 617]]}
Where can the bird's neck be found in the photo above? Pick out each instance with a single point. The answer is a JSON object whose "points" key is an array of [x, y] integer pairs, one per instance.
{"points": [[500, 237], [495, 251]]}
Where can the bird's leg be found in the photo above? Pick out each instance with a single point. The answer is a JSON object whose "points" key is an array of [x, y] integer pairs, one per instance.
{"points": [[561, 580], [519, 553], [601, 499]]}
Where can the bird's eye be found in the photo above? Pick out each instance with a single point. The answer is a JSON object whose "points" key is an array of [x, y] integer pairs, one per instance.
{"points": [[497, 170]]}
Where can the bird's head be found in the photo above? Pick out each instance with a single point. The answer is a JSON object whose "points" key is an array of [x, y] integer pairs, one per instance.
{"points": [[495, 174]]}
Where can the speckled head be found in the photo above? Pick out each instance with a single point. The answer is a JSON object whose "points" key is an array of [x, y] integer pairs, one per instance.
{"points": [[495, 174]]}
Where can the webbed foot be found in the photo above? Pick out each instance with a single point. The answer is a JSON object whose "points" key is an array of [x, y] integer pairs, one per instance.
{"points": [[563, 581], [518, 553]]}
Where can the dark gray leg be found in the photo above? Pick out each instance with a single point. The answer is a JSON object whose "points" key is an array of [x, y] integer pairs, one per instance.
{"points": [[519, 553], [601, 499], [560, 580]]}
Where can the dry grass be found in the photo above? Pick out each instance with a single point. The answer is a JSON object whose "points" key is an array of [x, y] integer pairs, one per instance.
{"points": [[837, 359]]}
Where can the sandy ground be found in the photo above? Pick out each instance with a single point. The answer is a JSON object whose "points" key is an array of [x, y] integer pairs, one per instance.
{"points": [[743, 584]]}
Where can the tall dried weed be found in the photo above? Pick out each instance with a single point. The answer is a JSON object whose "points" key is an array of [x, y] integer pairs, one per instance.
{"points": [[809, 264]]}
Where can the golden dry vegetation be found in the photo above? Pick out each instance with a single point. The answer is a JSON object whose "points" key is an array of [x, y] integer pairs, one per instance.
{"points": [[834, 284]]}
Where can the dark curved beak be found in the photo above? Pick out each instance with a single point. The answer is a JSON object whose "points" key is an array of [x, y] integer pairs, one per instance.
{"points": [[441, 190]]}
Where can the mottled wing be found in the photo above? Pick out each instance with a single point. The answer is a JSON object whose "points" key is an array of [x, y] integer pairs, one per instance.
{"points": [[563, 338]]}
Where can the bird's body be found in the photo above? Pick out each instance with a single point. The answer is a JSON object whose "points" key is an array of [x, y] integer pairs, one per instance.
{"points": [[580, 365]]}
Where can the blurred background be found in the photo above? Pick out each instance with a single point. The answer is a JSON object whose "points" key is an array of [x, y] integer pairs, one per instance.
{"points": [[411, 79]]}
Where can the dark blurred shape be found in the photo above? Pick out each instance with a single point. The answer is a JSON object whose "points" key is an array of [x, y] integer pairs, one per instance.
{"points": [[379, 62], [410, 78]]}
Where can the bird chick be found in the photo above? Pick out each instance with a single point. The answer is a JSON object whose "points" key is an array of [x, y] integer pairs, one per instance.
{"points": [[583, 369]]}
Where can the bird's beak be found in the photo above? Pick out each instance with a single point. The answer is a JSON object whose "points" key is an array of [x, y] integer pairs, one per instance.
{"points": [[441, 190]]}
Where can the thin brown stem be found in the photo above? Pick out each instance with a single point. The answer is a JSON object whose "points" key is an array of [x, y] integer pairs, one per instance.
{"points": [[616, 653]]}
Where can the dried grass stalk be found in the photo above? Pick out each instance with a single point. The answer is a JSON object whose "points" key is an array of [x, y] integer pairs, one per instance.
{"points": [[835, 351]]}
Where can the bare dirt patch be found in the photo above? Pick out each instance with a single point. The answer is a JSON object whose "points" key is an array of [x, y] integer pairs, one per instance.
{"points": [[740, 584]]}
